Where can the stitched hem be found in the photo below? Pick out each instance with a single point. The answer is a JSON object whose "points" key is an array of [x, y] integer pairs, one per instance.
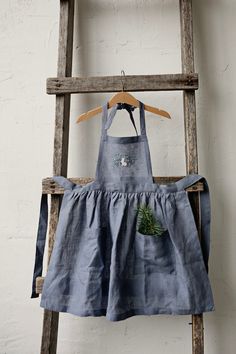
{"points": [[126, 314]]}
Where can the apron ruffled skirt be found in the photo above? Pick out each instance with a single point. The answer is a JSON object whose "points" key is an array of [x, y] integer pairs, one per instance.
{"points": [[101, 265]]}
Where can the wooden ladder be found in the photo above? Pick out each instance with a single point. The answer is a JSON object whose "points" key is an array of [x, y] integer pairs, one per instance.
{"points": [[64, 85]]}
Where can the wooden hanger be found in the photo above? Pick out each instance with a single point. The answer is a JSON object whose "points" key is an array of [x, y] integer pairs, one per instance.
{"points": [[122, 97]]}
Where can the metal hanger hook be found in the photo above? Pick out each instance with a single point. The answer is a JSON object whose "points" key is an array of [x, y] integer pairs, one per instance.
{"points": [[122, 74]]}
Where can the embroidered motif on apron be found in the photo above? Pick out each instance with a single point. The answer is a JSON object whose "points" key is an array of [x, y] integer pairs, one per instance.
{"points": [[124, 245]]}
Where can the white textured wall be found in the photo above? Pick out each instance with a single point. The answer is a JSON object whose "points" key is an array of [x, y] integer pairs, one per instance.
{"points": [[141, 37]]}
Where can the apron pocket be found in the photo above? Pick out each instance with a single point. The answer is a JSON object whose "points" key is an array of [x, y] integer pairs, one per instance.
{"points": [[154, 253]]}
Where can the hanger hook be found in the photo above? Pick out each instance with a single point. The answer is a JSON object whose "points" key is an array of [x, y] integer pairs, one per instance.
{"points": [[122, 74]]}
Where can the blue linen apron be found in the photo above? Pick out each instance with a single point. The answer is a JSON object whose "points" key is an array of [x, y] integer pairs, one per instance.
{"points": [[104, 262]]}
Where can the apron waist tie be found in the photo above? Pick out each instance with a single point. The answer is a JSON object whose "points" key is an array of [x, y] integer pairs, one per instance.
{"points": [[42, 230], [40, 242], [205, 211]]}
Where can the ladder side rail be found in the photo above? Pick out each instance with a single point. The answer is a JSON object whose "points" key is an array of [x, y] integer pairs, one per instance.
{"points": [[191, 151], [60, 154]]}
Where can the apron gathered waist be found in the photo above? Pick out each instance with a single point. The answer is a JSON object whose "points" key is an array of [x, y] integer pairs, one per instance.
{"points": [[185, 182]]}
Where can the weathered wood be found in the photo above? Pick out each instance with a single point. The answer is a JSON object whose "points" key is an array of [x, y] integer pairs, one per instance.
{"points": [[165, 82], [50, 321], [197, 320], [60, 156], [54, 213], [39, 284], [189, 95], [50, 330], [191, 152], [197, 334], [65, 49], [51, 187]]}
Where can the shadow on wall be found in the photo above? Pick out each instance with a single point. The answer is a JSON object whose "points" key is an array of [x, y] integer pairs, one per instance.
{"points": [[213, 51]]}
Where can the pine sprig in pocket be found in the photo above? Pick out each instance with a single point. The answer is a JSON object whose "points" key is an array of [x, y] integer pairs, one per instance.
{"points": [[147, 224]]}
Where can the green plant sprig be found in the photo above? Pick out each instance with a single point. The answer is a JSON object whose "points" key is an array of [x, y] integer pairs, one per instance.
{"points": [[147, 224]]}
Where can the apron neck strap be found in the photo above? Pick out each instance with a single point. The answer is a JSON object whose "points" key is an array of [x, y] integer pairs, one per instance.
{"points": [[107, 119]]}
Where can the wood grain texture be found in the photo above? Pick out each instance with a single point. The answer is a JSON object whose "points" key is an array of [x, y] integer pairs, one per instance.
{"points": [[198, 334], [50, 332], [188, 96], [191, 151], [165, 82], [51, 187], [64, 69], [60, 155]]}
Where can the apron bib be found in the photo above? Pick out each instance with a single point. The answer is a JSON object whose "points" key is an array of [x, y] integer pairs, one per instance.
{"points": [[123, 159], [124, 245]]}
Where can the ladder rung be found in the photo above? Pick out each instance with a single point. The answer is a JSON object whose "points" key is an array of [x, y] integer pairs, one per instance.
{"points": [[50, 187], [165, 82]]}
